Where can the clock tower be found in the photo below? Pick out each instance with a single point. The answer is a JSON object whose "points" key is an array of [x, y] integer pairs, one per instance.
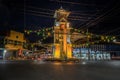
{"points": [[62, 42]]}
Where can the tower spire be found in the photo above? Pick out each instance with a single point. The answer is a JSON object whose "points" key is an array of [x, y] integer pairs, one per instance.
{"points": [[61, 7]]}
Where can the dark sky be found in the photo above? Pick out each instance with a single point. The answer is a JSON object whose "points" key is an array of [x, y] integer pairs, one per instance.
{"points": [[98, 16]]}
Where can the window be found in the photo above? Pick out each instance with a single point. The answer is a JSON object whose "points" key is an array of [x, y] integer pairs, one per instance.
{"points": [[5, 41], [10, 41], [15, 43], [16, 36]]}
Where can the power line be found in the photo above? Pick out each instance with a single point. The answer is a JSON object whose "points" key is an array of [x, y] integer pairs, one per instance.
{"points": [[51, 13], [85, 24], [74, 3], [45, 14], [72, 17], [52, 17], [40, 15], [40, 8], [78, 17], [112, 31], [72, 12], [99, 18], [82, 14], [39, 12], [54, 11], [88, 20], [82, 25]]}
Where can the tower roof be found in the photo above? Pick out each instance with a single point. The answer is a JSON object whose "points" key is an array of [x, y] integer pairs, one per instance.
{"points": [[61, 7], [61, 12]]}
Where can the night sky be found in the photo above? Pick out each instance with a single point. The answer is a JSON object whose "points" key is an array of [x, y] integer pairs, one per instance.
{"points": [[99, 16]]}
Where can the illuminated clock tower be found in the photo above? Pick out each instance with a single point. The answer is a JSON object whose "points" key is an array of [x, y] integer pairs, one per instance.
{"points": [[62, 43]]}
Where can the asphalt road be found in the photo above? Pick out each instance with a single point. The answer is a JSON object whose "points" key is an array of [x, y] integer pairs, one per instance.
{"points": [[38, 70]]}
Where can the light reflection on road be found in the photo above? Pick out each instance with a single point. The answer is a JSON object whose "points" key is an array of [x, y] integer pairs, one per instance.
{"points": [[40, 70]]}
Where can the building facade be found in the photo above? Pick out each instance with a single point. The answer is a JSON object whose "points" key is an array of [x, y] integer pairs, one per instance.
{"points": [[12, 44], [15, 40]]}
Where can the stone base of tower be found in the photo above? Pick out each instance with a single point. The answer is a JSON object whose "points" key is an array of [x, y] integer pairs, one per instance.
{"points": [[69, 51], [57, 51]]}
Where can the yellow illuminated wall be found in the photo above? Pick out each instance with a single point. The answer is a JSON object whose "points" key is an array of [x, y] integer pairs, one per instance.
{"points": [[67, 47], [17, 40], [69, 50], [57, 51]]}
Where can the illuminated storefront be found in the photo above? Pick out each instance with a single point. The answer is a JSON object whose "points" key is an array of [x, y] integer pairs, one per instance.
{"points": [[89, 54]]}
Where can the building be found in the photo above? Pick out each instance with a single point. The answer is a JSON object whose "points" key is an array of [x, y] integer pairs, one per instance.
{"points": [[62, 42], [92, 52], [12, 43], [15, 40]]}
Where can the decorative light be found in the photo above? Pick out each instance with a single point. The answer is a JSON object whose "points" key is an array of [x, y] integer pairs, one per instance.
{"points": [[46, 29], [75, 29], [25, 31], [28, 32], [38, 33], [51, 28], [78, 30], [113, 37], [106, 37], [92, 42], [43, 35], [44, 38], [102, 37], [48, 33], [108, 40], [114, 40], [88, 36]]}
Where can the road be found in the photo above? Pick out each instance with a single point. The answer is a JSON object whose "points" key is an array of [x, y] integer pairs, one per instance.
{"points": [[38, 70]]}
